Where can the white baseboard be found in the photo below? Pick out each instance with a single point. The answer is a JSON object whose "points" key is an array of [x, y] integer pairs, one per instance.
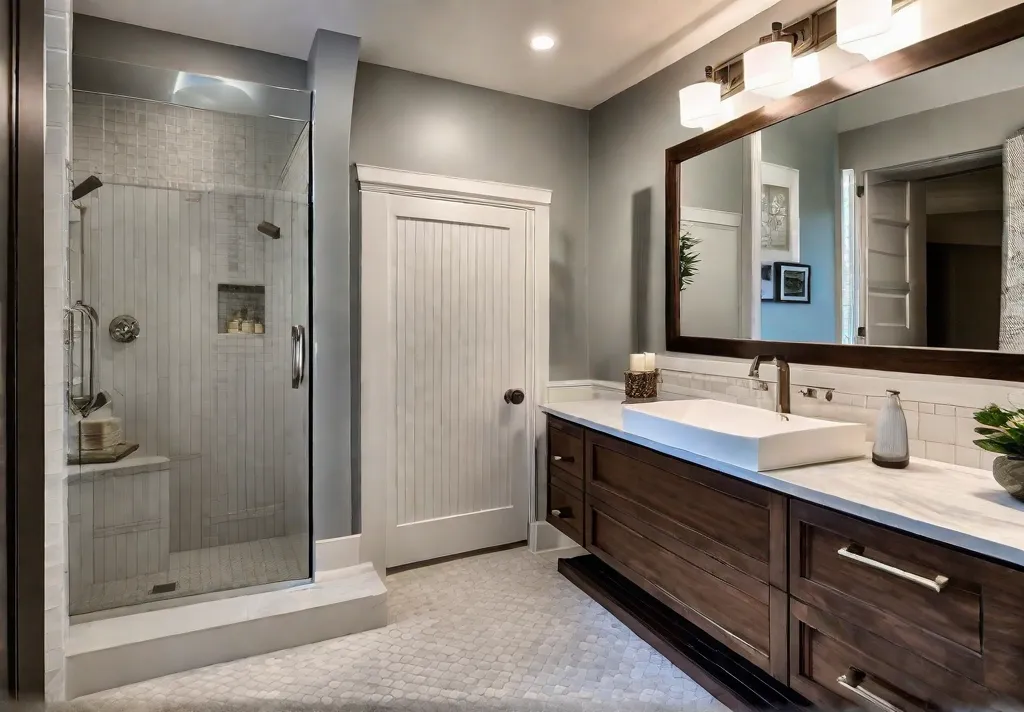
{"points": [[333, 554], [544, 537]]}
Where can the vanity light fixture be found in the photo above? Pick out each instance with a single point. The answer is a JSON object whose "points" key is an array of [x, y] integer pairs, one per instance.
{"points": [[542, 43], [769, 63], [700, 103], [857, 20]]}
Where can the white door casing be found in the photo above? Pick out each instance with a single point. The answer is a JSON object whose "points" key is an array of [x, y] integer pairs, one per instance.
{"points": [[454, 289]]}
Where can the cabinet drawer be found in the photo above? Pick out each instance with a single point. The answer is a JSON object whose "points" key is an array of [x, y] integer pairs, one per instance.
{"points": [[732, 607], [566, 511], [951, 608], [565, 448], [835, 664], [916, 594], [732, 521]]}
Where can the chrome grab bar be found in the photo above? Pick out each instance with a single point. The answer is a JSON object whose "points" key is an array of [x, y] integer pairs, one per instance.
{"points": [[854, 552], [298, 355], [853, 680], [84, 400]]}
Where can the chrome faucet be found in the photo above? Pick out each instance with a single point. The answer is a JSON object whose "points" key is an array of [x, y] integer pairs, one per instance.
{"points": [[782, 389]]}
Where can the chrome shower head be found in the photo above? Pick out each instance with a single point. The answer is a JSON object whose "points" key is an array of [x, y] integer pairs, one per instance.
{"points": [[85, 187], [269, 229]]}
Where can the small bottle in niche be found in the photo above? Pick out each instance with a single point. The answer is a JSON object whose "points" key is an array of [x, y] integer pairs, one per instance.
{"points": [[892, 444], [246, 326]]}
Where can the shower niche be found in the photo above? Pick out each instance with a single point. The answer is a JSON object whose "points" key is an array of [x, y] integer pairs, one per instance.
{"points": [[241, 309]]}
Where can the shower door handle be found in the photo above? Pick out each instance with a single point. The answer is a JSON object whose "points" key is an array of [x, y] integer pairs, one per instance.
{"points": [[298, 356]]}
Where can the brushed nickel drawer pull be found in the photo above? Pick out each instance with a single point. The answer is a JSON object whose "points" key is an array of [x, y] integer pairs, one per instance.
{"points": [[855, 553], [562, 513], [559, 458], [852, 681]]}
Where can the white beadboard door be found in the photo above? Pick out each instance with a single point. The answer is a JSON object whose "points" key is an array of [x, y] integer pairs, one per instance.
{"points": [[458, 468]]}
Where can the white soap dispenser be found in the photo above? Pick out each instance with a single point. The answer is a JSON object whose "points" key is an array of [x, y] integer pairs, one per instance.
{"points": [[892, 444]]}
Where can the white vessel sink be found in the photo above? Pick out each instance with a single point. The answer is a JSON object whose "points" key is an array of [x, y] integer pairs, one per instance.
{"points": [[740, 435]]}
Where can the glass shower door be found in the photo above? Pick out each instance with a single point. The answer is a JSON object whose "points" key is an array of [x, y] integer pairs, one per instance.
{"points": [[191, 251]]}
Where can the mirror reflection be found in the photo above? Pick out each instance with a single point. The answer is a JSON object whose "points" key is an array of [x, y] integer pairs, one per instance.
{"points": [[888, 218]]}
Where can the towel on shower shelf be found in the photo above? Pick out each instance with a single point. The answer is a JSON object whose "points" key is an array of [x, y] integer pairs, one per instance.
{"points": [[99, 433]]}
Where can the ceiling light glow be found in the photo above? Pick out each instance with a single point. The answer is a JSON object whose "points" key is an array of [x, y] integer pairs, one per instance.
{"points": [[542, 43]]}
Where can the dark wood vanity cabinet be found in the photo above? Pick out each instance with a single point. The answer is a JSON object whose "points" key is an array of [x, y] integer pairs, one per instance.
{"points": [[565, 478], [838, 609]]}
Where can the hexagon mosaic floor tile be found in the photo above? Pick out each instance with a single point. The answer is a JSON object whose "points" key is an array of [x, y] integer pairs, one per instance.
{"points": [[500, 631]]}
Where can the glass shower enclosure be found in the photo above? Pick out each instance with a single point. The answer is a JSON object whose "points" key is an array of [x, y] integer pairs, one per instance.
{"points": [[188, 285]]}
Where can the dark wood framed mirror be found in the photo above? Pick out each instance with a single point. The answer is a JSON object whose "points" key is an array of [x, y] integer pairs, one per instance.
{"points": [[910, 266]]}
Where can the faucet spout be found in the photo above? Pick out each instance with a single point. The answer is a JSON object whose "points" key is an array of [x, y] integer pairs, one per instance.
{"points": [[782, 399]]}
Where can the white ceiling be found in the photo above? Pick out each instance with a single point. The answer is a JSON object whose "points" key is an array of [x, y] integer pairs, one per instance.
{"points": [[604, 46]]}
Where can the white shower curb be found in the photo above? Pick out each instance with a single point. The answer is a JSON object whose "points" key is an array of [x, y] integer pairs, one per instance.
{"points": [[120, 651]]}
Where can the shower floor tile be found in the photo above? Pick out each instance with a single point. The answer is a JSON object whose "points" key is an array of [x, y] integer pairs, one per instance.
{"points": [[501, 631], [218, 568]]}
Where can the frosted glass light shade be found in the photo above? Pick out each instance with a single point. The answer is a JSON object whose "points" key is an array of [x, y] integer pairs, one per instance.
{"points": [[858, 20], [698, 103], [767, 65]]}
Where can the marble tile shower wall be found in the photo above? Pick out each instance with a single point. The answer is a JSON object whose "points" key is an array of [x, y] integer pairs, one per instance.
{"points": [[147, 143], [938, 431]]}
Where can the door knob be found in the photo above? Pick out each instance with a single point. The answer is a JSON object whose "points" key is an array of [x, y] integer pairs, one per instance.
{"points": [[514, 396]]}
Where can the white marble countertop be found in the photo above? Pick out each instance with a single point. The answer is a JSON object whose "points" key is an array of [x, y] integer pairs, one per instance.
{"points": [[959, 506]]}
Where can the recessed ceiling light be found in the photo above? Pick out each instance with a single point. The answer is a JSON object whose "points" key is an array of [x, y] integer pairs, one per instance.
{"points": [[542, 43]]}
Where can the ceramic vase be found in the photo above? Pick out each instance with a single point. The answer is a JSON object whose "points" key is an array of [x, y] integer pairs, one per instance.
{"points": [[892, 444]]}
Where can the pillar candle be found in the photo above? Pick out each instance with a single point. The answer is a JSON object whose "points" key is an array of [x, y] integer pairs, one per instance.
{"points": [[650, 363], [637, 362]]}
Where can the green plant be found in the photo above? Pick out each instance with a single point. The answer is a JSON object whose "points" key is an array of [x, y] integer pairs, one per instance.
{"points": [[688, 258], [1003, 430]]}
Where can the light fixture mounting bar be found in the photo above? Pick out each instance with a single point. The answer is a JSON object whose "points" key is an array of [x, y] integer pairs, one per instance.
{"points": [[810, 33]]}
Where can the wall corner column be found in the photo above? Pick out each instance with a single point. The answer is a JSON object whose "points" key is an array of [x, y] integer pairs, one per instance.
{"points": [[334, 344]]}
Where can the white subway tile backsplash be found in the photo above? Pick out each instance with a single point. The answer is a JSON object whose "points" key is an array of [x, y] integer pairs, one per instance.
{"points": [[965, 435], [918, 448], [913, 422], [945, 410], [937, 428], [968, 456], [926, 407], [940, 451], [876, 402]]}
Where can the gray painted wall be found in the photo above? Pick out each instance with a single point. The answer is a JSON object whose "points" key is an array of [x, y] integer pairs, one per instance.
{"points": [[332, 76], [628, 137], [97, 37], [413, 122], [969, 126]]}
